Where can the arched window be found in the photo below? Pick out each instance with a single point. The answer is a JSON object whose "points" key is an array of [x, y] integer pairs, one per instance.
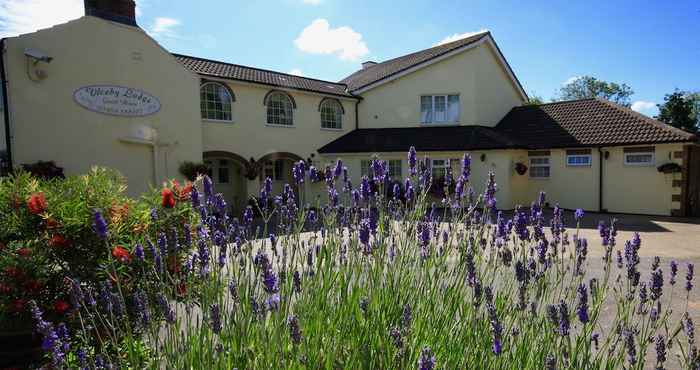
{"points": [[215, 100], [279, 109], [331, 114]]}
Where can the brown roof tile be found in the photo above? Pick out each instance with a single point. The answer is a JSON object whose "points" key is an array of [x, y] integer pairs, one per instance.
{"points": [[230, 71], [586, 122], [379, 71]]}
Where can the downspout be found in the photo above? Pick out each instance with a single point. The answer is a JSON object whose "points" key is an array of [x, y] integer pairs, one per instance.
{"points": [[600, 180], [5, 104], [357, 119]]}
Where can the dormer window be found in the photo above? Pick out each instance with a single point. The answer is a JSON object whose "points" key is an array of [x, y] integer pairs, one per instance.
{"points": [[439, 109]]}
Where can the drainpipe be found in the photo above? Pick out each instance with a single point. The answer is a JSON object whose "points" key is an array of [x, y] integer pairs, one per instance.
{"points": [[600, 180], [5, 104], [357, 119]]}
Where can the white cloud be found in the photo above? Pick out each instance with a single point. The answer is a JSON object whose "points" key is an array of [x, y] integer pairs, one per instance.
{"points": [[458, 36], [163, 27], [642, 106], [570, 80], [312, 2], [23, 16], [320, 38], [296, 72]]}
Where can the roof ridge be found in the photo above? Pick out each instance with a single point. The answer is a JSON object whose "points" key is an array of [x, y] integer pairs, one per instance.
{"points": [[256, 68], [554, 102], [655, 122]]}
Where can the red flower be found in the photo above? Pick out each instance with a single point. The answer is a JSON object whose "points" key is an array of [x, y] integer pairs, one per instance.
{"points": [[181, 289], [36, 203], [60, 307], [51, 223], [59, 241], [182, 193], [5, 289], [168, 198], [18, 305], [32, 286], [24, 252], [121, 254], [13, 272]]}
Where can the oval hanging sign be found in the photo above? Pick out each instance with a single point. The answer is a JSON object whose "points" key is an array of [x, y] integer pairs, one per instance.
{"points": [[117, 100]]}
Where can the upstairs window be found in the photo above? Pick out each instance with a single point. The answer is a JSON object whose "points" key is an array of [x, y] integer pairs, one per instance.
{"points": [[331, 114], [639, 156], [279, 109], [439, 108], [215, 102]]}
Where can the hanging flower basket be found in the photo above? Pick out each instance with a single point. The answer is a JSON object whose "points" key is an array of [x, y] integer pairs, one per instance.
{"points": [[520, 168], [670, 168]]}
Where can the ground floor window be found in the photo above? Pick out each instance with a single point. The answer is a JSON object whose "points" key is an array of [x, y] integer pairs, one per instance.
{"points": [[639, 156], [539, 167], [219, 170], [578, 157], [274, 169], [393, 168], [439, 168]]}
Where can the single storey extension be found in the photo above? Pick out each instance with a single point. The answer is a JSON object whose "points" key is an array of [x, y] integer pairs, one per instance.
{"points": [[100, 91]]}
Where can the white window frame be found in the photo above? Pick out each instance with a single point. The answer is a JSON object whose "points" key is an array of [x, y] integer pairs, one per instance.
{"points": [[215, 167], [540, 165], [433, 117], [203, 107], [276, 168], [439, 164], [274, 113], [650, 163], [589, 160], [394, 167], [336, 114]]}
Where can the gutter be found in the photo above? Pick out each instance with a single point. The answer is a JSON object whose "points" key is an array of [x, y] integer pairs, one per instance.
{"points": [[5, 104]]}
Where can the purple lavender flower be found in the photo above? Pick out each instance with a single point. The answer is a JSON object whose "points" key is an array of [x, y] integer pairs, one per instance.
{"points": [[215, 317], [406, 317], [564, 324], [550, 362], [296, 282], [496, 328], [656, 284], [490, 192], [630, 345], [459, 188], [313, 174], [270, 281], [365, 188], [298, 172], [412, 160], [594, 339], [674, 272], [138, 252], [248, 216], [141, 308], [364, 231], [194, 197], [208, 188], [99, 225], [427, 358], [582, 306], [397, 190], [395, 334], [660, 351], [689, 277], [466, 167], [294, 330], [364, 304], [578, 215], [165, 308], [51, 341]]}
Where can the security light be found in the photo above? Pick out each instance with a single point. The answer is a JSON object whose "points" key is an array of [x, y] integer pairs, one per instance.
{"points": [[37, 55]]}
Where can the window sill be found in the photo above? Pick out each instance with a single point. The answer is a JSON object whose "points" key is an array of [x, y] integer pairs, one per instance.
{"points": [[208, 120], [331, 129], [539, 178], [640, 164], [283, 126], [440, 124]]}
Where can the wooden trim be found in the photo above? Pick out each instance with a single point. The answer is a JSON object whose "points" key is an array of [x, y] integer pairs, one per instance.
{"points": [[685, 169], [578, 152], [538, 153], [638, 149]]}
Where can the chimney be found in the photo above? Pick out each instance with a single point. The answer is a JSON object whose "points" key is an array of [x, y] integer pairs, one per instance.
{"points": [[368, 64], [122, 11]]}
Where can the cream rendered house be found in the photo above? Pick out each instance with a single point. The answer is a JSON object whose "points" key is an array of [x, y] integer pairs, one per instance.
{"points": [[112, 96]]}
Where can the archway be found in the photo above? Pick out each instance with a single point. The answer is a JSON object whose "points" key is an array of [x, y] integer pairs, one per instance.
{"points": [[228, 173], [278, 167]]}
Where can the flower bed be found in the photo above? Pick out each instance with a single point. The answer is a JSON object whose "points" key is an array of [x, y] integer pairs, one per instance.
{"points": [[373, 281]]}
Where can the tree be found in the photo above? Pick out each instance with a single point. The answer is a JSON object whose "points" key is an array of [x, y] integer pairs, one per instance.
{"points": [[591, 87], [681, 109], [534, 100]]}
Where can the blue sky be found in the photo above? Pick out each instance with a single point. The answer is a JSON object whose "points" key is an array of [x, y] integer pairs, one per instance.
{"points": [[653, 46]]}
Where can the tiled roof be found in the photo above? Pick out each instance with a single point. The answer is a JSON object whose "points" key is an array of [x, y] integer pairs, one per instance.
{"points": [[586, 122], [391, 67], [255, 75], [567, 124], [448, 138]]}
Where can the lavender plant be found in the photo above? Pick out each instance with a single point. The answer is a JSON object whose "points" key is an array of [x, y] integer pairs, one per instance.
{"points": [[376, 277]]}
